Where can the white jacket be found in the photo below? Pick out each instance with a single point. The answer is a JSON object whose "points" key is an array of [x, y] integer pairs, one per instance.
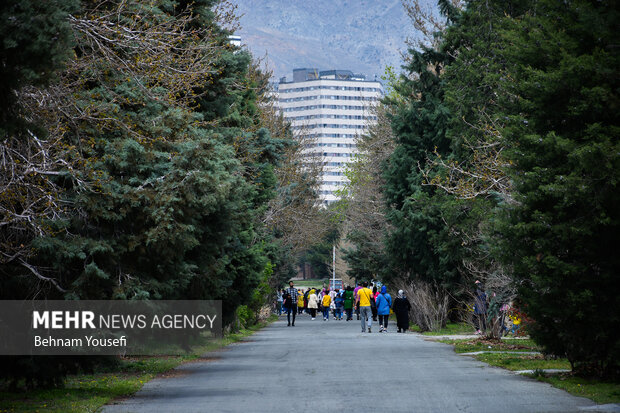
{"points": [[313, 301]]}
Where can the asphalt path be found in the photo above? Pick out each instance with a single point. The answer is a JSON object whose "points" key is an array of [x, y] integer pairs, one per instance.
{"points": [[325, 366]]}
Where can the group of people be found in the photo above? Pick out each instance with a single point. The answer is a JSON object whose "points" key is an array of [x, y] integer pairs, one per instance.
{"points": [[368, 303]]}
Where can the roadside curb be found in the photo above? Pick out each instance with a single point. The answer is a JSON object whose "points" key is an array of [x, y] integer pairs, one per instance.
{"points": [[612, 407], [546, 371], [475, 353], [463, 337]]}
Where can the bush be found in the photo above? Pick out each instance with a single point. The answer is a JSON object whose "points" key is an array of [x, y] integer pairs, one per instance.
{"points": [[30, 372], [429, 304], [245, 317]]}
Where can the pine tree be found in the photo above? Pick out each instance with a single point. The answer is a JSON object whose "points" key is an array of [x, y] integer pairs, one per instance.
{"points": [[562, 235], [176, 171], [472, 174], [35, 44], [419, 122], [36, 39]]}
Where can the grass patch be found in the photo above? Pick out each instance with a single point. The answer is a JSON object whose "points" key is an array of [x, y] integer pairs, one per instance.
{"points": [[413, 327], [451, 329], [600, 391], [470, 346], [516, 362], [509, 361], [308, 283], [88, 392]]}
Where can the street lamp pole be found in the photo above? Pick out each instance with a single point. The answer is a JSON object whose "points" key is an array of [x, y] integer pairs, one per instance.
{"points": [[334, 268]]}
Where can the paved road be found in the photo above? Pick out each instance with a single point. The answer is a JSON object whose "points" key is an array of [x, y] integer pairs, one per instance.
{"points": [[331, 366]]}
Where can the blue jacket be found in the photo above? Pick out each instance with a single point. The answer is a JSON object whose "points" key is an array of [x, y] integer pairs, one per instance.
{"points": [[384, 302], [339, 301]]}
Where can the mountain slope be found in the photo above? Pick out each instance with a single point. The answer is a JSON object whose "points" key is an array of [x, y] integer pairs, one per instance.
{"points": [[360, 35]]}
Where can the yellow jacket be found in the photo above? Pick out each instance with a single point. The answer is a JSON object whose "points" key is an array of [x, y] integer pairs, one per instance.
{"points": [[327, 300]]}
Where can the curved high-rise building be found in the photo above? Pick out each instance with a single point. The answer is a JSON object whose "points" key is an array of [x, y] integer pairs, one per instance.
{"points": [[331, 106]]}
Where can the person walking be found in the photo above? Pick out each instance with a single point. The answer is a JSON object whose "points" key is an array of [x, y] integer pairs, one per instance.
{"points": [[300, 302], [333, 293], [348, 303], [306, 294], [279, 301], [313, 303], [327, 300], [339, 305], [401, 308], [364, 295], [292, 303], [384, 303], [355, 298], [480, 309], [375, 293]]}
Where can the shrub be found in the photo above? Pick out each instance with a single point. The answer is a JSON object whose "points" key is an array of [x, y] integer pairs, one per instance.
{"points": [[429, 304]]}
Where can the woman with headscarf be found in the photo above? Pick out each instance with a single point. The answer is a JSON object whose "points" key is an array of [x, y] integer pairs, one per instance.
{"points": [[373, 308], [313, 303], [339, 304], [384, 304], [348, 302], [401, 309], [300, 302]]}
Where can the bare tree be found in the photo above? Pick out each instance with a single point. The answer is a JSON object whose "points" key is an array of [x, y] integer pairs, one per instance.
{"points": [[363, 194], [484, 173], [426, 21], [429, 303], [295, 213]]}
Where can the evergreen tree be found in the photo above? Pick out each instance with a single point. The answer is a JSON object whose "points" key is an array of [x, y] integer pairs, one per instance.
{"points": [[561, 237], [36, 39], [35, 44], [175, 170], [419, 123], [472, 174], [319, 255], [367, 260]]}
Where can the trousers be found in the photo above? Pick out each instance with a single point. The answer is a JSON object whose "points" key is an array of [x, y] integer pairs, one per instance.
{"points": [[366, 315]]}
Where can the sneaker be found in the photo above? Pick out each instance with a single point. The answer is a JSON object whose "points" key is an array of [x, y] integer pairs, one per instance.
{"points": [[369, 329], [363, 331], [313, 318], [288, 325]]}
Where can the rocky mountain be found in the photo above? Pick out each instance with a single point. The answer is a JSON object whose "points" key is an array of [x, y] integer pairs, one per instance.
{"points": [[360, 35]]}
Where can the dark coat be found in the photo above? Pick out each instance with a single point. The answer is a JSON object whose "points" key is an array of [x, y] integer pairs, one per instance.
{"points": [[480, 302], [401, 308]]}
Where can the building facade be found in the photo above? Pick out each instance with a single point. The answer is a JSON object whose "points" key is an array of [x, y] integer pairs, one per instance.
{"points": [[332, 107]]}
